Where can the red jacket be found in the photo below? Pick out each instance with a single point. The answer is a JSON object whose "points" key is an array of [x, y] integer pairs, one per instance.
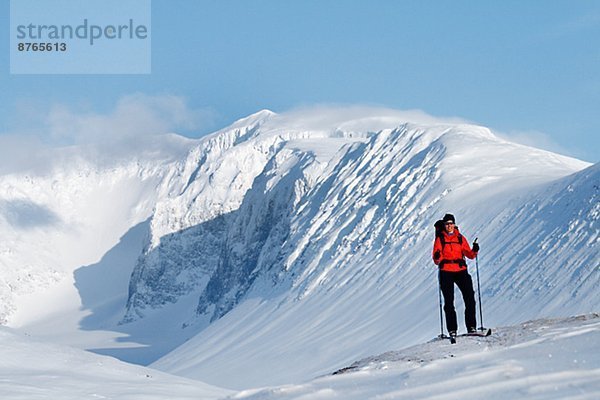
{"points": [[452, 253]]}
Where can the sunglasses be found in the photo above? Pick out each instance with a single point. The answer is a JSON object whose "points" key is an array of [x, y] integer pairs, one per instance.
{"points": [[449, 223]]}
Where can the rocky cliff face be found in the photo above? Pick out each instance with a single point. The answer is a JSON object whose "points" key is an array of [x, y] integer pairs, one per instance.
{"points": [[227, 207]]}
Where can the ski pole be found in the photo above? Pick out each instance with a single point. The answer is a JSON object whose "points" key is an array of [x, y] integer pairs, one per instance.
{"points": [[481, 328], [440, 302]]}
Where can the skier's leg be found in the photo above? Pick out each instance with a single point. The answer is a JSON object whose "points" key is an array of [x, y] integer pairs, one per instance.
{"points": [[447, 286], [465, 284]]}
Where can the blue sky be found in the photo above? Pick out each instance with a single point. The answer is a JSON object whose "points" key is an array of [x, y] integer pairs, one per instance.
{"points": [[527, 69]]}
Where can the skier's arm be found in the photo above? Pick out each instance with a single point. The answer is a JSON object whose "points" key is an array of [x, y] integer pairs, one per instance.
{"points": [[467, 251]]}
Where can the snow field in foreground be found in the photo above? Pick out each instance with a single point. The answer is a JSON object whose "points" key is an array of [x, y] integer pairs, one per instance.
{"points": [[543, 359], [31, 370]]}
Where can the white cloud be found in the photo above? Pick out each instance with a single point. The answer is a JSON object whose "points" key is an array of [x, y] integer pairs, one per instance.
{"points": [[41, 136], [359, 118], [134, 116], [21, 152], [533, 138]]}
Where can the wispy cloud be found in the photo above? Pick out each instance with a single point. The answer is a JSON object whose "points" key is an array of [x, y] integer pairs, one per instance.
{"points": [[537, 139], [39, 135], [133, 116], [358, 118]]}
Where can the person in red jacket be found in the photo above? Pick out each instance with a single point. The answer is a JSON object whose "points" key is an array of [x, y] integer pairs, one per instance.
{"points": [[449, 251]]}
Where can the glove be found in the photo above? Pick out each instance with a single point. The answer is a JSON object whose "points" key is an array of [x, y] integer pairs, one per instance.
{"points": [[475, 247], [437, 255]]}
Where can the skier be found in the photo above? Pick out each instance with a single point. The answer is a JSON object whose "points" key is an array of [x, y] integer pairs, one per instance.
{"points": [[449, 251]]}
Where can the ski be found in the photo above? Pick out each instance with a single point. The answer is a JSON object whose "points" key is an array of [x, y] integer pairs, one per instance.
{"points": [[452, 339], [484, 333]]}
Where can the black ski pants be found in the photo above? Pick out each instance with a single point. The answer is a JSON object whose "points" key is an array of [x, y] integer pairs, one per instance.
{"points": [[464, 282]]}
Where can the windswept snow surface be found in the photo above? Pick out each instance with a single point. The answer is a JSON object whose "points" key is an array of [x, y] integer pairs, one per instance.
{"points": [[34, 370], [542, 359]]}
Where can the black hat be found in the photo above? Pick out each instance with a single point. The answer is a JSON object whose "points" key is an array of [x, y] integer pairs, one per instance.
{"points": [[448, 218]]}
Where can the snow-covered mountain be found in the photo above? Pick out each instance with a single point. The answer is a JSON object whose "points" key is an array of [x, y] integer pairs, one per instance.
{"points": [[65, 214], [286, 246]]}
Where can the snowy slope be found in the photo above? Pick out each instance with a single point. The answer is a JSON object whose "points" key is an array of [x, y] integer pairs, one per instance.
{"points": [[287, 246], [555, 262], [542, 359], [353, 274], [72, 232], [34, 370]]}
